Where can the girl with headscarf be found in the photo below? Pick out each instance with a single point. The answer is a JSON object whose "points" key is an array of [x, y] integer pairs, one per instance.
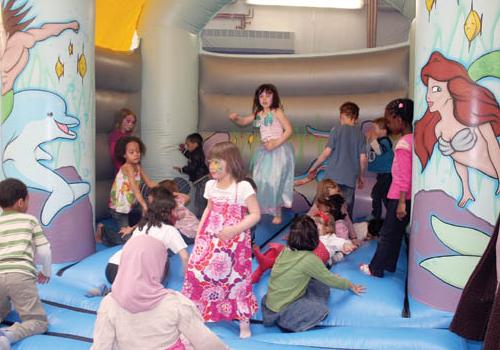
{"points": [[463, 118], [141, 314]]}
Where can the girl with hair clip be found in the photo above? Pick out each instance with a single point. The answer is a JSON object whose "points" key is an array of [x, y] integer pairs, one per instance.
{"points": [[125, 123], [273, 163], [299, 287], [399, 114], [219, 268], [463, 118]]}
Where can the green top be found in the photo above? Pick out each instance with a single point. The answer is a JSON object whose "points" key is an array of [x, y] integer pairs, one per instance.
{"points": [[291, 274]]}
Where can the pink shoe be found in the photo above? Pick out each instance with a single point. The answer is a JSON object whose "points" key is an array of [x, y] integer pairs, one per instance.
{"points": [[365, 269]]}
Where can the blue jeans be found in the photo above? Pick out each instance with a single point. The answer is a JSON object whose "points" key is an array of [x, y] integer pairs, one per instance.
{"points": [[348, 193]]}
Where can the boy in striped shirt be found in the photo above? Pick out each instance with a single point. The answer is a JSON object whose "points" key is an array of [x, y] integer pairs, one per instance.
{"points": [[21, 238]]}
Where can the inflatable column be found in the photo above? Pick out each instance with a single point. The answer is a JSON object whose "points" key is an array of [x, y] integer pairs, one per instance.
{"points": [[47, 121], [456, 166], [169, 109]]}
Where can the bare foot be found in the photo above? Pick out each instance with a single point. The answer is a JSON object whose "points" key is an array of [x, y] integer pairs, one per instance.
{"points": [[277, 220], [245, 331], [98, 233], [465, 198]]}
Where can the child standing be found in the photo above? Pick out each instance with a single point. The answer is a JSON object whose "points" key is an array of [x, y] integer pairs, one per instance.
{"points": [[124, 126], [185, 221], [299, 287], [21, 238], [400, 119], [380, 158], [346, 154], [273, 163], [126, 190], [196, 169], [219, 268]]}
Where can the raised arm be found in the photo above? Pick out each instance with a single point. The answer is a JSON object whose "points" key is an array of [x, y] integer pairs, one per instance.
{"points": [[240, 120]]}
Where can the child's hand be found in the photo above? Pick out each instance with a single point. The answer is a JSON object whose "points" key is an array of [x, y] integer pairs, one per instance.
{"points": [[312, 174], [41, 278], [357, 289], [125, 230], [401, 210], [361, 183], [348, 247], [182, 147], [271, 144], [226, 233], [233, 116]]}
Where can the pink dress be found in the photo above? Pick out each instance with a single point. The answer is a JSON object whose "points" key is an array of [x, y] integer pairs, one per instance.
{"points": [[218, 277]]}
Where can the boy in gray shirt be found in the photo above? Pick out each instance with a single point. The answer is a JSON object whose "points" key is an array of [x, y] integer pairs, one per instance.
{"points": [[346, 154]]}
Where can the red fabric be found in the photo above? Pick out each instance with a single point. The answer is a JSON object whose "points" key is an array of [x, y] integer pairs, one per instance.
{"points": [[321, 252]]}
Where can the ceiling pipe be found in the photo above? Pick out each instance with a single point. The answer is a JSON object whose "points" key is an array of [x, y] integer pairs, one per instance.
{"points": [[371, 26], [244, 18]]}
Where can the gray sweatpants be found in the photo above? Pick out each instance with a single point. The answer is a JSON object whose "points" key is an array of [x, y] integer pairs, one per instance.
{"points": [[20, 290]]}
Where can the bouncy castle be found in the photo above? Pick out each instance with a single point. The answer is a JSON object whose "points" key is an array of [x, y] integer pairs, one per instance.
{"points": [[69, 65]]}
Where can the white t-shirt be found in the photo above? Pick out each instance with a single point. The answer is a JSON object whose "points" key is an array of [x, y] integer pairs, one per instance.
{"points": [[167, 234], [332, 243], [229, 194]]}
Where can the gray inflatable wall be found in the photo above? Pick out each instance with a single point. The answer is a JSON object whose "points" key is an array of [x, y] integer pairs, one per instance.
{"points": [[118, 85], [311, 88]]}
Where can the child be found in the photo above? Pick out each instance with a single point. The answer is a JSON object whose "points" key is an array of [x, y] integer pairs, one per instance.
{"points": [[142, 314], [185, 221], [346, 154], [219, 269], [380, 158], [125, 191], [124, 126], [300, 283], [21, 238], [157, 222], [273, 163], [196, 169], [400, 112]]}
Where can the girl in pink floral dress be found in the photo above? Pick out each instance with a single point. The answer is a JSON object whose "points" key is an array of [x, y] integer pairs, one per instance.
{"points": [[219, 269]]}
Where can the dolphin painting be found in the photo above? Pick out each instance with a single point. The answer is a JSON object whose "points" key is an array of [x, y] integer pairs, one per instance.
{"points": [[39, 117]]}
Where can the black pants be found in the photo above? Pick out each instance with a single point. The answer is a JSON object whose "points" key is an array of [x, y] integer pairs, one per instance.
{"points": [[389, 244], [112, 271], [379, 194]]}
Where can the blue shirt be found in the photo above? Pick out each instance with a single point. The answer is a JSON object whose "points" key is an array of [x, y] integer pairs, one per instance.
{"points": [[382, 163], [347, 143]]}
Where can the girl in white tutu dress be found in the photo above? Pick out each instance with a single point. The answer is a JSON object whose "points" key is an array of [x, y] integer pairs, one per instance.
{"points": [[273, 163]]}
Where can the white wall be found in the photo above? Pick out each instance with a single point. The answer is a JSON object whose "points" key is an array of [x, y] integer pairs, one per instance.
{"points": [[320, 30]]}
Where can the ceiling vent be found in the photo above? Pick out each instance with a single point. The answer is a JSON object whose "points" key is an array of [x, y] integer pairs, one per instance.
{"points": [[247, 41]]}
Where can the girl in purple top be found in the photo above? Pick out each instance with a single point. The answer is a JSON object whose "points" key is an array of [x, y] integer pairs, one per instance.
{"points": [[399, 114], [124, 126]]}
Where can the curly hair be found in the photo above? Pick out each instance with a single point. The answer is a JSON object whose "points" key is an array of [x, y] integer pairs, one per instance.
{"points": [[121, 147]]}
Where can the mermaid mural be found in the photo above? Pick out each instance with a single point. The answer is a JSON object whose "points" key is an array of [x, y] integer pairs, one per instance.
{"points": [[14, 54], [463, 118]]}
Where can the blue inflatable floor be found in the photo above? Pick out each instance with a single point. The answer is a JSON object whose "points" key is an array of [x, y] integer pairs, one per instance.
{"points": [[370, 321]]}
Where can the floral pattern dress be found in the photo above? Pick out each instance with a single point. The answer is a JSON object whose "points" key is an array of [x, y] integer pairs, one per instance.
{"points": [[218, 274]]}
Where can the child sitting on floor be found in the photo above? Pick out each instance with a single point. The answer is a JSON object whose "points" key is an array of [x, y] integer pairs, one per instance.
{"points": [[300, 284], [185, 221]]}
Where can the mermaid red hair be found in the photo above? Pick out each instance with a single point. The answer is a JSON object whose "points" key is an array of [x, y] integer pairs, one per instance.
{"points": [[473, 104]]}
